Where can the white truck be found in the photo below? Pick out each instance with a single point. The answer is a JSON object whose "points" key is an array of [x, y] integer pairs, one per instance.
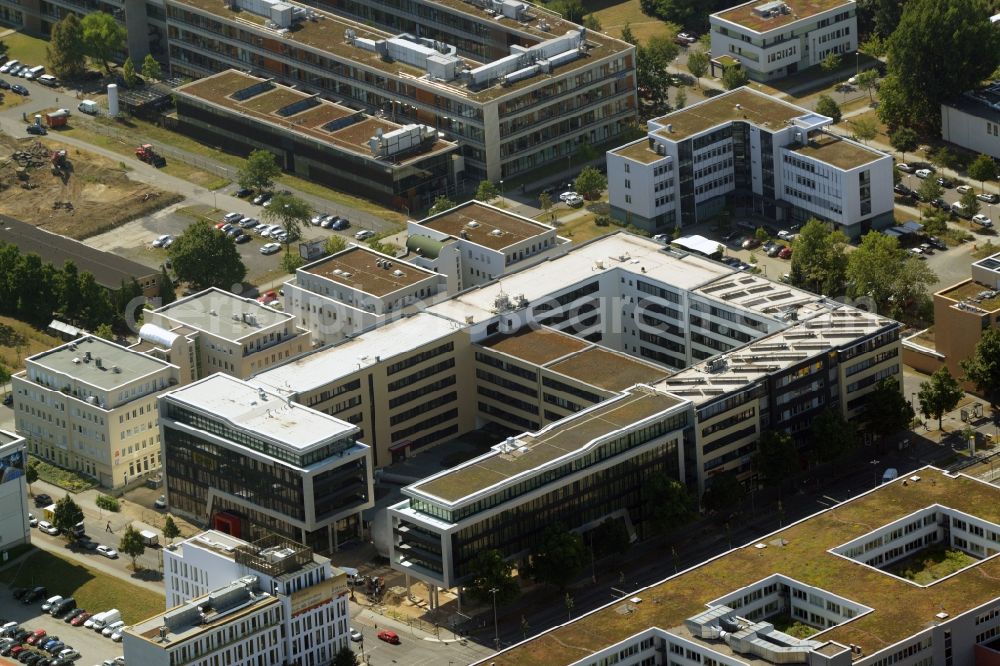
{"points": [[149, 538], [107, 618]]}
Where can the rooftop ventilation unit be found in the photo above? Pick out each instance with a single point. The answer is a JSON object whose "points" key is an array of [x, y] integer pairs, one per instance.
{"points": [[398, 273], [496, 232]]}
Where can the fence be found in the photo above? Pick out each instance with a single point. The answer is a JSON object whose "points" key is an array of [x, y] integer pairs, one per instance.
{"points": [[166, 150]]}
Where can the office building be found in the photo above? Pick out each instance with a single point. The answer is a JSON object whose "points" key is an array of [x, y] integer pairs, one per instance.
{"points": [[575, 472], [400, 166], [313, 594], [14, 527], [248, 462], [972, 120], [355, 290], [515, 85], [850, 579], [404, 385], [962, 312], [475, 243], [238, 625], [750, 151], [90, 406], [217, 331], [771, 39]]}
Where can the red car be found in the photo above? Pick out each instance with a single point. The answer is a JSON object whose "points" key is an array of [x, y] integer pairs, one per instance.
{"points": [[268, 297], [388, 637], [36, 636], [221, 224], [786, 253], [80, 619]]}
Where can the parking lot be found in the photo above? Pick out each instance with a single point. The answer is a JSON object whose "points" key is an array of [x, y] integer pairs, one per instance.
{"points": [[93, 647]]}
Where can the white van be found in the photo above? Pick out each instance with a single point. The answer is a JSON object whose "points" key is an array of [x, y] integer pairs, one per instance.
{"points": [[35, 72], [89, 624], [9, 65], [958, 208], [47, 604], [48, 80], [88, 106], [8, 629], [107, 617], [112, 628]]}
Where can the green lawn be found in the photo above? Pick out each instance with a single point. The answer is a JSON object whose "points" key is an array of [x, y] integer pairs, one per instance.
{"points": [[931, 564], [92, 589], [27, 49]]}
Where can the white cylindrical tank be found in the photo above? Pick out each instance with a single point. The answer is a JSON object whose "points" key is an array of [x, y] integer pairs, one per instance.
{"points": [[113, 100]]}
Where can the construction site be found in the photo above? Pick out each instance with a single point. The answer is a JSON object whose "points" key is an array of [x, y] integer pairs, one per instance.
{"points": [[70, 191]]}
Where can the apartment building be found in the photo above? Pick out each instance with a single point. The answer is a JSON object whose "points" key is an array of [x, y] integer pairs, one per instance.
{"points": [[972, 120], [575, 472], [91, 406], [962, 312], [515, 85], [753, 152], [217, 331], [357, 289], [475, 243], [14, 527], [771, 39], [238, 624], [313, 594], [401, 166], [846, 574], [405, 385], [249, 462]]}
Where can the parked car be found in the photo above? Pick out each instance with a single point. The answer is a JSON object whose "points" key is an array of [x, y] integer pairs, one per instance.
{"points": [[32, 522], [9, 65], [982, 220], [936, 242], [962, 189], [946, 183], [903, 190], [786, 253], [356, 635], [81, 618], [317, 219], [42, 500], [108, 552], [388, 636], [268, 297], [262, 198], [38, 130], [566, 196], [926, 248], [941, 204], [574, 201], [19, 89], [166, 240], [918, 252], [233, 218], [270, 248], [775, 250], [47, 604], [750, 244], [988, 197], [4, 85], [263, 229], [340, 224], [249, 222], [73, 614], [48, 528], [364, 234], [905, 168], [685, 39], [36, 594], [243, 192], [923, 173], [36, 635]]}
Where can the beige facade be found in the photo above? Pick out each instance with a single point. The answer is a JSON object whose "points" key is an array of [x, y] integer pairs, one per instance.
{"points": [[90, 406]]}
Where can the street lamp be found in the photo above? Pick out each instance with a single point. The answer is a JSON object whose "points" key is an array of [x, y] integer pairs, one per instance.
{"points": [[501, 193], [857, 62], [496, 625]]}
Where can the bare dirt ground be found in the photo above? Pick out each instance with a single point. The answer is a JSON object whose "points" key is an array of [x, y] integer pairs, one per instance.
{"points": [[94, 194]]}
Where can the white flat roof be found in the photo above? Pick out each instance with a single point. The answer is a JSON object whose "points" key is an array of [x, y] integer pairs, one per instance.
{"points": [[697, 243], [268, 414], [635, 254], [325, 365], [223, 314], [759, 294]]}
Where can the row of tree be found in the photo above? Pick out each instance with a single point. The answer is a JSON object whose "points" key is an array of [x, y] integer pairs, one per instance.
{"points": [[34, 291]]}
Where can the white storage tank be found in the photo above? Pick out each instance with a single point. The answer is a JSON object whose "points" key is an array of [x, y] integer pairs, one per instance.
{"points": [[113, 100]]}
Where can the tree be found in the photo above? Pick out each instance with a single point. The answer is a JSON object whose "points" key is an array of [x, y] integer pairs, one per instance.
{"points": [[30, 472], [66, 50], [651, 75], [893, 279], [440, 205], [131, 544], [128, 73], [170, 529], [868, 80], [97, 305], [611, 537], [761, 234], [970, 202], [925, 69], [545, 202], [486, 191], [983, 168], [66, 515], [983, 367], [888, 411], [104, 331], [559, 558], [830, 62], [490, 571], [944, 158], [291, 213], [571, 10], [591, 22], [103, 36], [697, 64], [259, 171], [664, 47], [835, 437], [874, 46], [628, 36], [345, 657], [70, 302], [863, 129], [204, 257], [734, 76], [724, 494], [335, 244], [590, 183], [819, 259], [826, 106], [777, 458], [680, 99], [904, 140], [667, 504], [929, 189], [167, 292], [939, 394], [151, 69]]}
